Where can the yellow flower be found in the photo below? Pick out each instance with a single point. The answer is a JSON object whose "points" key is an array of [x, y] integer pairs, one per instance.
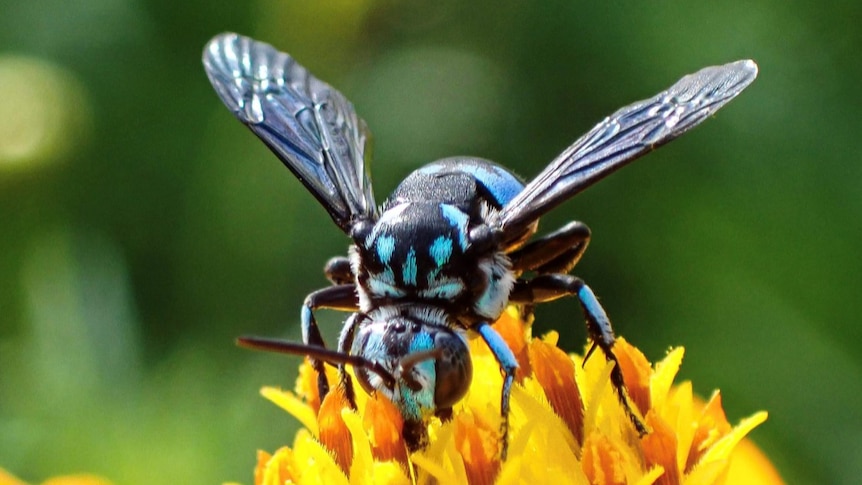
{"points": [[7, 478], [566, 426]]}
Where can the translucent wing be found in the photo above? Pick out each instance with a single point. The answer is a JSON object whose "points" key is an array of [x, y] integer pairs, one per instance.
{"points": [[309, 125], [624, 136]]}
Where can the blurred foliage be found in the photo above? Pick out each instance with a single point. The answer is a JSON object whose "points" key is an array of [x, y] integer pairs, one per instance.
{"points": [[142, 228]]}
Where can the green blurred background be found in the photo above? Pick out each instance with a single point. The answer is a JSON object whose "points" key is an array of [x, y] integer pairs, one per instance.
{"points": [[142, 228]]}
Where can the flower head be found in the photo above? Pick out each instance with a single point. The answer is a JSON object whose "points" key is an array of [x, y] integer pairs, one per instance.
{"points": [[566, 426]]}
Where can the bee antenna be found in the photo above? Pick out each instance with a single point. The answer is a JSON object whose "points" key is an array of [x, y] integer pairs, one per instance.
{"points": [[318, 353], [411, 360]]}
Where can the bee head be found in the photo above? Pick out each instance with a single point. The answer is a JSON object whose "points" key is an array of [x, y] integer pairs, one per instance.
{"points": [[428, 361]]}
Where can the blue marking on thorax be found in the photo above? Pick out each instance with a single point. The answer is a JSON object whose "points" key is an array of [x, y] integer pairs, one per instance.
{"points": [[443, 291], [408, 270], [458, 220], [432, 276], [441, 250], [502, 184], [383, 283], [385, 246], [382, 288], [387, 276]]}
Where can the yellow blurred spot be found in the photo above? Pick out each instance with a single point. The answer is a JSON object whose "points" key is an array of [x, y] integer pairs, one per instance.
{"points": [[77, 480], [7, 478], [44, 112]]}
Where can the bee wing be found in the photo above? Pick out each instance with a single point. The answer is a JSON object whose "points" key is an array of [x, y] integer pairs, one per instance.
{"points": [[624, 136], [309, 125]]}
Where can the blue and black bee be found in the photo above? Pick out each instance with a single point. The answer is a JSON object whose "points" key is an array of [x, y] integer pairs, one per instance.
{"points": [[450, 248]]}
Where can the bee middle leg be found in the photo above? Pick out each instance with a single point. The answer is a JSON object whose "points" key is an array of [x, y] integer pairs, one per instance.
{"points": [[508, 365]]}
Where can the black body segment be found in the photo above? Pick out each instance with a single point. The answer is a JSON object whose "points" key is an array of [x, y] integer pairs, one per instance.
{"points": [[450, 248]]}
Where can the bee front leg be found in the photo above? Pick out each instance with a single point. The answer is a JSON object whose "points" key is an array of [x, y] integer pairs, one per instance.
{"points": [[549, 287], [341, 297], [345, 343]]}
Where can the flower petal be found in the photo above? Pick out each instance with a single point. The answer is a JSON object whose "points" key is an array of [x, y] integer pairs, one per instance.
{"points": [[724, 447], [516, 334], [602, 462], [361, 465], [297, 408], [555, 372], [659, 448], [636, 371], [477, 441], [711, 426], [334, 433], [384, 424], [751, 465], [663, 376], [314, 464], [274, 469]]}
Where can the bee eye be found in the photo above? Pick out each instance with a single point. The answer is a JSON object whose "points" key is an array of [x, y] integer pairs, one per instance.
{"points": [[454, 370]]}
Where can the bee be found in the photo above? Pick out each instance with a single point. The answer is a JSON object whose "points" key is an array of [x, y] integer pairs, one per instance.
{"points": [[453, 245]]}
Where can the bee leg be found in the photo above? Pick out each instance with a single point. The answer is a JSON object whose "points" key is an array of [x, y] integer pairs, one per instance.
{"points": [[345, 342], [445, 414], [549, 287], [508, 364], [337, 270], [557, 252], [341, 297]]}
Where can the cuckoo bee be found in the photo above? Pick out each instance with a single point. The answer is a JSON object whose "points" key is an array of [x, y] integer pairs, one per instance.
{"points": [[454, 244]]}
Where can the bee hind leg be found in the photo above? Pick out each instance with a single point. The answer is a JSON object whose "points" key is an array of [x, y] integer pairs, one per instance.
{"points": [[557, 252], [550, 287]]}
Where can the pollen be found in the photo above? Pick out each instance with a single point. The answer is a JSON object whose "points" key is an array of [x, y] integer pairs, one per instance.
{"points": [[566, 426]]}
